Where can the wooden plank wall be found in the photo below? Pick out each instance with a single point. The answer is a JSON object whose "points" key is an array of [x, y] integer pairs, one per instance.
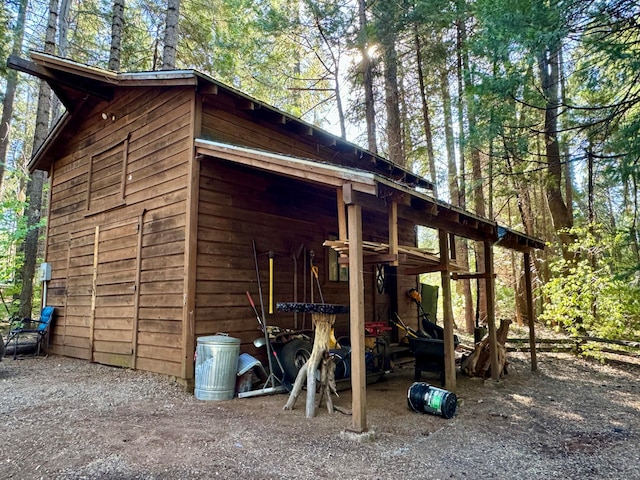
{"points": [[223, 120], [120, 265], [238, 204]]}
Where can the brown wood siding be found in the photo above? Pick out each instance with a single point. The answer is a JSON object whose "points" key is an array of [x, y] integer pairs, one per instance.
{"points": [[153, 125], [238, 204], [233, 126], [223, 121]]}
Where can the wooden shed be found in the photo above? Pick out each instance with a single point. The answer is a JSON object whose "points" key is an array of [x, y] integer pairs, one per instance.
{"points": [[161, 184]]}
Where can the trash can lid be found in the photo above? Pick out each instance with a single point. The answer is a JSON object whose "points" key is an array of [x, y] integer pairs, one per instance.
{"points": [[218, 339]]}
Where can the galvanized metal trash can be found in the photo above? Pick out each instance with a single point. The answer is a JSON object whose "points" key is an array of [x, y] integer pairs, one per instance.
{"points": [[216, 367]]}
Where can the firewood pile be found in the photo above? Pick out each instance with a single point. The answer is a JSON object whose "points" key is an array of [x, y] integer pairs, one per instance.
{"points": [[478, 363]]}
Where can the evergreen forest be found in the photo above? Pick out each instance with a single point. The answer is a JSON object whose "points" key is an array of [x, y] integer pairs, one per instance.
{"points": [[522, 111]]}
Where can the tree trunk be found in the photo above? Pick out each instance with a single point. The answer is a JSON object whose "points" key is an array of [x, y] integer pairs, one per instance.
{"points": [[461, 64], [367, 79], [463, 287], [117, 24], [568, 173], [635, 245], [477, 187], [10, 91], [425, 116], [562, 221], [590, 194], [392, 101], [452, 180], [36, 181], [322, 324], [336, 88], [332, 69], [171, 35], [63, 33]]}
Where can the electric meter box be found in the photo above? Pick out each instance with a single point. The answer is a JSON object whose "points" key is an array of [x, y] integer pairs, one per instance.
{"points": [[45, 272]]}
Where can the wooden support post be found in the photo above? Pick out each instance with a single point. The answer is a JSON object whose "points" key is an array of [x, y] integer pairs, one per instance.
{"points": [[449, 345], [136, 298], [94, 290], [66, 292], [187, 367], [393, 232], [356, 319], [452, 246], [530, 310], [491, 311], [342, 216]]}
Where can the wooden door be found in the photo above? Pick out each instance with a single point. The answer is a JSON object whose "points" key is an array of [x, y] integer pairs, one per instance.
{"points": [[116, 264]]}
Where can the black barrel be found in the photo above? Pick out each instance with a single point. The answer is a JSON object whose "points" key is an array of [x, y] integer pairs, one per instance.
{"points": [[424, 398]]}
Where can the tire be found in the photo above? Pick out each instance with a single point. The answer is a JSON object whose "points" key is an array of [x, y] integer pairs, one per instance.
{"points": [[293, 356], [342, 359]]}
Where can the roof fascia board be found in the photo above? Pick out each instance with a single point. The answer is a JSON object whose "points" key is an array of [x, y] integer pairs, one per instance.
{"points": [[309, 170], [152, 79], [502, 236], [38, 71], [161, 77], [514, 240], [46, 145], [69, 66], [429, 199]]}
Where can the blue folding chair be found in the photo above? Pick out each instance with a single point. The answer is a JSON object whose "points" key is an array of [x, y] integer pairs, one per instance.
{"points": [[32, 328]]}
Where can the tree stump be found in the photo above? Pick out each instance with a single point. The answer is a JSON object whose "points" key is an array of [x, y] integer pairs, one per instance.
{"points": [[323, 317], [327, 381]]}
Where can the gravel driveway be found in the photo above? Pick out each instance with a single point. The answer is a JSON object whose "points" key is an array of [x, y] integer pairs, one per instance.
{"points": [[68, 419]]}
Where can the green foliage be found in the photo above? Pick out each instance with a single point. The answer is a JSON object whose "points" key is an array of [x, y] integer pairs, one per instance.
{"points": [[256, 47], [606, 80], [585, 296], [139, 36], [90, 32], [505, 302], [12, 231], [5, 40]]}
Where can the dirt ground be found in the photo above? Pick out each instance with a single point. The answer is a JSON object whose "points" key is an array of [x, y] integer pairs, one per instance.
{"points": [[62, 418]]}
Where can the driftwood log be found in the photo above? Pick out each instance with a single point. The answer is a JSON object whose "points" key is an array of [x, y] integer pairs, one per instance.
{"points": [[323, 317], [478, 363]]}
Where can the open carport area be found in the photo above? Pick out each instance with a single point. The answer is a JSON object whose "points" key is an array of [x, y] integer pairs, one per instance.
{"points": [[67, 418]]}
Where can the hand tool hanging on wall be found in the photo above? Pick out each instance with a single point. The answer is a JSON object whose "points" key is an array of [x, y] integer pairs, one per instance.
{"points": [[271, 256], [312, 255], [294, 255], [304, 284], [314, 276]]}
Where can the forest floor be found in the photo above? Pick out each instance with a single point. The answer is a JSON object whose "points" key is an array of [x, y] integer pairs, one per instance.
{"points": [[63, 418]]}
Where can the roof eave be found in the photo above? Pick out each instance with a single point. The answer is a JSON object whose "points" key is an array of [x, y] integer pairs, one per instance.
{"points": [[37, 159]]}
